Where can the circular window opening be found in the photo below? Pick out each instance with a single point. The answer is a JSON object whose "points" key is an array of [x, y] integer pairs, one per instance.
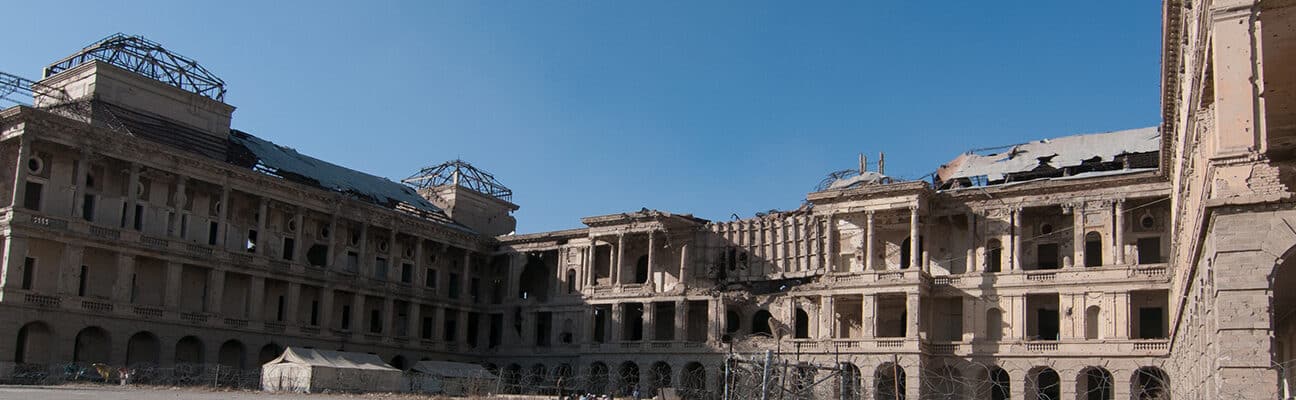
{"points": [[292, 225], [355, 238], [1046, 229], [139, 189], [35, 165], [324, 232], [382, 245], [1147, 222]]}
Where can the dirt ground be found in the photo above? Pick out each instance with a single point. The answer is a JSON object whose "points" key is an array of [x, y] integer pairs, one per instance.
{"points": [[108, 392]]}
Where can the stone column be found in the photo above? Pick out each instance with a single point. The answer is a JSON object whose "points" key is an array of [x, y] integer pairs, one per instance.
{"points": [[715, 321], [132, 196], [914, 238], [1121, 315], [461, 326], [827, 326], [300, 219], [124, 289], [326, 307], [292, 304], [215, 290], [913, 315], [358, 312], [681, 320], [970, 263], [1118, 232], [393, 256], [833, 243], [78, 184], [263, 215], [620, 262], [438, 325], [652, 259], [179, 199], [256, 300], [222, 226], [1015, 261], [331, 258], [20, 171], [1078, 234], [616, 333], [419, 276], [69, 268], [970, 318], [414, 327], [649, 325], [361, 271], [868, 241], [868, 317], [685, 263], [591, 264], [171, 298], [465, 279], [389, 317]]}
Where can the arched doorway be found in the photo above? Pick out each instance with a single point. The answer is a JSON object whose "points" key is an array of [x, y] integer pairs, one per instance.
{"points": [[946, 383], [1000, 384], [802, 324], [1150, 383], [1094, 383], [598, 378], [92, 345], [33, 344], [562, 376], [994, 324], [994, 256], [660, 377], [268, 352], [189, 350], [629, 377], [693, 381], [641, 270], [761, 323], [232, 354], [143, 348], [851, 385], [1043, 383], [889, 382], [1093, 250], [536, 379], [1093, 323]]}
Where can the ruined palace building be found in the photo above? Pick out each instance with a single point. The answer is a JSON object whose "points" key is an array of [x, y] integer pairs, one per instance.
{"points": [[138, 228]]}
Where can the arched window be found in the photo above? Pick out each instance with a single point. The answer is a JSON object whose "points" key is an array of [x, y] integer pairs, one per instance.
{"points": [[1092, 325], [34, 344], [1094, 383], [143, 348], [1150, 383], [761, 323], [92, 345], [994, 256], [889, 382], [1093, 250], [994, 324], [802, 324], [1043, 384], [1000, 384], [641, 270]]}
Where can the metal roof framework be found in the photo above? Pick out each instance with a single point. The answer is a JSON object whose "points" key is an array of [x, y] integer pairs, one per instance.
{"points": [[18, 90], [148, 58], [460, 173]]}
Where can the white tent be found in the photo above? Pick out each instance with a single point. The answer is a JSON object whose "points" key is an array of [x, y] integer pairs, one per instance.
{"points": [[451, 378], [310, 370]]}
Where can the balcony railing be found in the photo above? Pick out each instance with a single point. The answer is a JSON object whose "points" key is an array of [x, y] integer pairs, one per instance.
{"points": [[96, 306], [41, 300], [147, 312]]}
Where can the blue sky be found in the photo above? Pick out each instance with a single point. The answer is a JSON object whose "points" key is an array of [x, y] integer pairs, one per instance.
{"points": [[595, 107]]}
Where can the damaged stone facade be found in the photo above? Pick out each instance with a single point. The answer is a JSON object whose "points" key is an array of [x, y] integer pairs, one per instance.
{"points": [[146, 232]]}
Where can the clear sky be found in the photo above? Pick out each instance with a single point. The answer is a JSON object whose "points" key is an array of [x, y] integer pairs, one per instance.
{"points": [[595, 107]]}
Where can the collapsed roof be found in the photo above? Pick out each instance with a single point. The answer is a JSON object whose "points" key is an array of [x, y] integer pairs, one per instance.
{"points": [[1068, 156], [265, 156]]}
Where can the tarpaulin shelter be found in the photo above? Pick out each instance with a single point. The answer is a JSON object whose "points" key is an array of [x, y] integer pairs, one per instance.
{"points": [[313, 371], [450, 378]]}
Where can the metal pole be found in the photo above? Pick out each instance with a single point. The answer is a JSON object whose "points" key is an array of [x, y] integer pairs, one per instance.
{"points": [[727, 377], [765, 374]]}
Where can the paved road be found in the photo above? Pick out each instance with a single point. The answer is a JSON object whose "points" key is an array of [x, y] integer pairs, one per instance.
{"points": [[106, 392]]}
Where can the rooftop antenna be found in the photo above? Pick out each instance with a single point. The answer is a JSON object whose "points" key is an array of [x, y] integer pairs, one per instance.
{"points": [[881, 163]]}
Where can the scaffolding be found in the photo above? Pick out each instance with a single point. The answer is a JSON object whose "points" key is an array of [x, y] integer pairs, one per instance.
{"points": [[148, 58]]}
